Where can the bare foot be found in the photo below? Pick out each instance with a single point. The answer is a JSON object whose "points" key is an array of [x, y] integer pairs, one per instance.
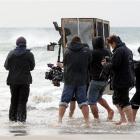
{"points": [[87, 124], [60, 121], [70, 115], [121, 122], [96, 120], [131, 123], [110, 115]]}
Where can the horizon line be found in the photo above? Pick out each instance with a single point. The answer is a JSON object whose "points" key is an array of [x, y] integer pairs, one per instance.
{"points": [[53, 27]]}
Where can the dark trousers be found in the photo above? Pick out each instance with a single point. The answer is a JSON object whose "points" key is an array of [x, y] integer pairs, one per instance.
{"points": [[121, 97], [19, 98]]}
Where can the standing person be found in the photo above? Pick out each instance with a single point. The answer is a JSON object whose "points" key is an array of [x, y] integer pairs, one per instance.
{"points": [[19, 63], [98, 80], [76, 61], [73, 101], [135, 101], [122, 78]]}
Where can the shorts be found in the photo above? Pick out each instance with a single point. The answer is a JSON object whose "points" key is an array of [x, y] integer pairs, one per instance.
{"points": [[68, 94], [135, 101], [74, 98], [95, 91], [121, 97]]}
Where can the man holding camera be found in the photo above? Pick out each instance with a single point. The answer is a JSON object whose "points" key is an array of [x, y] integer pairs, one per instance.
{"points": [[122, 77], [76, 61]]}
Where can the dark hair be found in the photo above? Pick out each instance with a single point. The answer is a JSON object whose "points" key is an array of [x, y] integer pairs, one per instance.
{"points": [[76, 39], [98, 42], [21, 41], [112, 39]]}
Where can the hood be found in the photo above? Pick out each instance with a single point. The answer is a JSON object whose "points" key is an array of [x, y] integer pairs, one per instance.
{"points": [[75, 47], [119, 42], [18, 51], [98, 42]]}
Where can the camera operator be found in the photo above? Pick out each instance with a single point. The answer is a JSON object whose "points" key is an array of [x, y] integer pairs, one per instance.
{"points": [[76, 62], [135, 101], [122, 78]]}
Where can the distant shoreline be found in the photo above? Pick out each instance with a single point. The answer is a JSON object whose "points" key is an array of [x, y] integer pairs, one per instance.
{"points": [[45, 27]]}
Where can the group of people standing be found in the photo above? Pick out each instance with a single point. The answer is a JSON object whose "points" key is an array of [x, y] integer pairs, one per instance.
{"points": [[86, 75]]}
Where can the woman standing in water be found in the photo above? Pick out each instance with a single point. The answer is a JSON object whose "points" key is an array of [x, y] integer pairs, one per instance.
{"points": [[19, 63]]}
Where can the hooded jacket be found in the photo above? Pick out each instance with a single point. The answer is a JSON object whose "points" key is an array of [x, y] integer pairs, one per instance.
{"points": [[120, 65], [76, 63], [99, 53], [137, 74], [19, 63]]}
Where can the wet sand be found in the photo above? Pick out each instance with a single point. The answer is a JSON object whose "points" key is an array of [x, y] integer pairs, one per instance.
{"points": [[76, 137]]}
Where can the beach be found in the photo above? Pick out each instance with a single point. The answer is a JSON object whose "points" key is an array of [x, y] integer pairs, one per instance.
{"points": [[44, 97]]}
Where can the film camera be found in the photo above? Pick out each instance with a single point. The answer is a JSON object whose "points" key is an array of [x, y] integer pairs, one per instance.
{"points": [[55, 74]]}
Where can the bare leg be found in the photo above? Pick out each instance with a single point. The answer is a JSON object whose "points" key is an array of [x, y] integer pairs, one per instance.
{"points": [[94, 110], [134, 114], [72, 108], [85, 111], [122, 116], [62, 110], [110, 111], [129, 114]]}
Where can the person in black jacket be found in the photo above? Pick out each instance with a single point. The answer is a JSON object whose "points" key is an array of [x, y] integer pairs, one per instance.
{"points": [[121, 77], [135, 101], [98, 79], [19, 63], [72, 106], [76, 61]]}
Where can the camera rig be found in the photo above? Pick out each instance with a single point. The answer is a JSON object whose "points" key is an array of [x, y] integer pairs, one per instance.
{"points": [[55, 74], [85, 28]]}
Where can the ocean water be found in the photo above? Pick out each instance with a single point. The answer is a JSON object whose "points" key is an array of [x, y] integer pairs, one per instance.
{"points": [[44, 97]]}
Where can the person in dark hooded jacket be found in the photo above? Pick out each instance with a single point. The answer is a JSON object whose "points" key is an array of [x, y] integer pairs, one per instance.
{"points": [[76, 62], [122, 78], [135, 101], [19, 63], [98, 80]]}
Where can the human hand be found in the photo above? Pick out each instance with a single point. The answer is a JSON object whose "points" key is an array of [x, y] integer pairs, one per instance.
{"points": [[103, 61], [59, 64]]}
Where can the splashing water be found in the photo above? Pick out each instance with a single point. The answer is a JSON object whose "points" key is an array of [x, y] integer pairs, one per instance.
{"points": [[44, 97]]}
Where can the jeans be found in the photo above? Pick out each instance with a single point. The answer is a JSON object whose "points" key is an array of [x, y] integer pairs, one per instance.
{"points": [[68, 93], [95, 91]]}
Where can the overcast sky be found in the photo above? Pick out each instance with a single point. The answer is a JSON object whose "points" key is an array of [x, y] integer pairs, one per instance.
{"points": [[41, 13]]}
